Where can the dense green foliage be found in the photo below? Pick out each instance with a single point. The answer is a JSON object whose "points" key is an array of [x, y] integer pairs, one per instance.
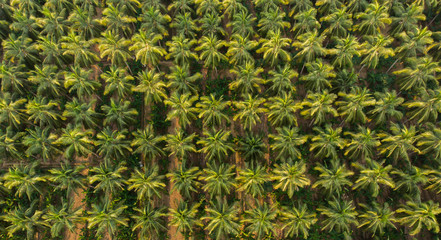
{"points": [[226, 119]]}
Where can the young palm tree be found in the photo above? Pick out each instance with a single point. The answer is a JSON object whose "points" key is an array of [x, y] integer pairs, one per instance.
{"points": [[24, 179], [112, 144], [185, 179], [62, 218], [107, 218], [147, 143], [240, 50], [286, 142], [180, 145], [77, 142], [281, 80], [273, 48], [184, 218], [182, 108], [146, 48], [209, 47], [249, 111], [81, 113], [216, 145], [372, 175], [333, 179], [23, 219], [247, 79], [219, 179], [297, 220], [180, 50], [68, 178], [319, 75], [290, 177], [362, 144], [211, 110], [420, 215], [40, 142], [79, 80], [117, 81], [221, 219], [282, 109], [385, 107], [149, 221], [109, 179], [147, 183], [260, 221], [318, 106], [340, 215], [353, 104], [426, 108], [377, 218], [119, 113], [252, 179], [399, 143], [326, 142]]}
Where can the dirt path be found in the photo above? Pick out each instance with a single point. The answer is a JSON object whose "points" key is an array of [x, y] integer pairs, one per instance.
{"points": [[77, 202]]}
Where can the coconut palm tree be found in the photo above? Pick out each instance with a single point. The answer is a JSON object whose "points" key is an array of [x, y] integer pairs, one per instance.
{"points": [[415, 42], [14, 78], [151, 84], [185, 179], [326, 142], [249, 111], [185, 25], [273, 48], [340, 215], [411, 179], [430, 142], [420, 215], [24, 180], [376, 46], [252, 179], [50, 51], [305, 21], [333, 179], [114, 48], [247, 79], [24, 219], [300, 6], [181, 108], [281, 80], [290, 177], [216, 145], [184, 218], [377, 218], [40, 142], [147, 183], [62, 218], [81, 114], [406, 19], [68, 178], [385, 107], [180, 145], [107, 218], [211, 24], [363, 143], [426, 108], [272, 20], [353, 104], [219, 179], [344, 51], [147, 143], [207, 7], [372, 175], [153, 21], [419, 72], [149, 221], [9, 144], [19, 49], [338, 21], [297, 220], [113, 19], [209, 47], [222, 220], [76, 141], [318, 106], [48, 80], [112, 144], [286, 142], [327, 6], [319, 75], [310, 46], [78, 80], [83, 22], [211, 110], [242, 23], [180, 50], [109, 180], [75, 45], [282, 109], [53, 23], [240, 50], [400, 143], [373, 19], [260, 221], [252, 148], [181, 80], [117, 81], [119, 113], [146, 48]]}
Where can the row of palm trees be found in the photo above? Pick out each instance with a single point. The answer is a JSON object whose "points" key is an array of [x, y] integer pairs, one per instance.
{"points": [[220, 218]]}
